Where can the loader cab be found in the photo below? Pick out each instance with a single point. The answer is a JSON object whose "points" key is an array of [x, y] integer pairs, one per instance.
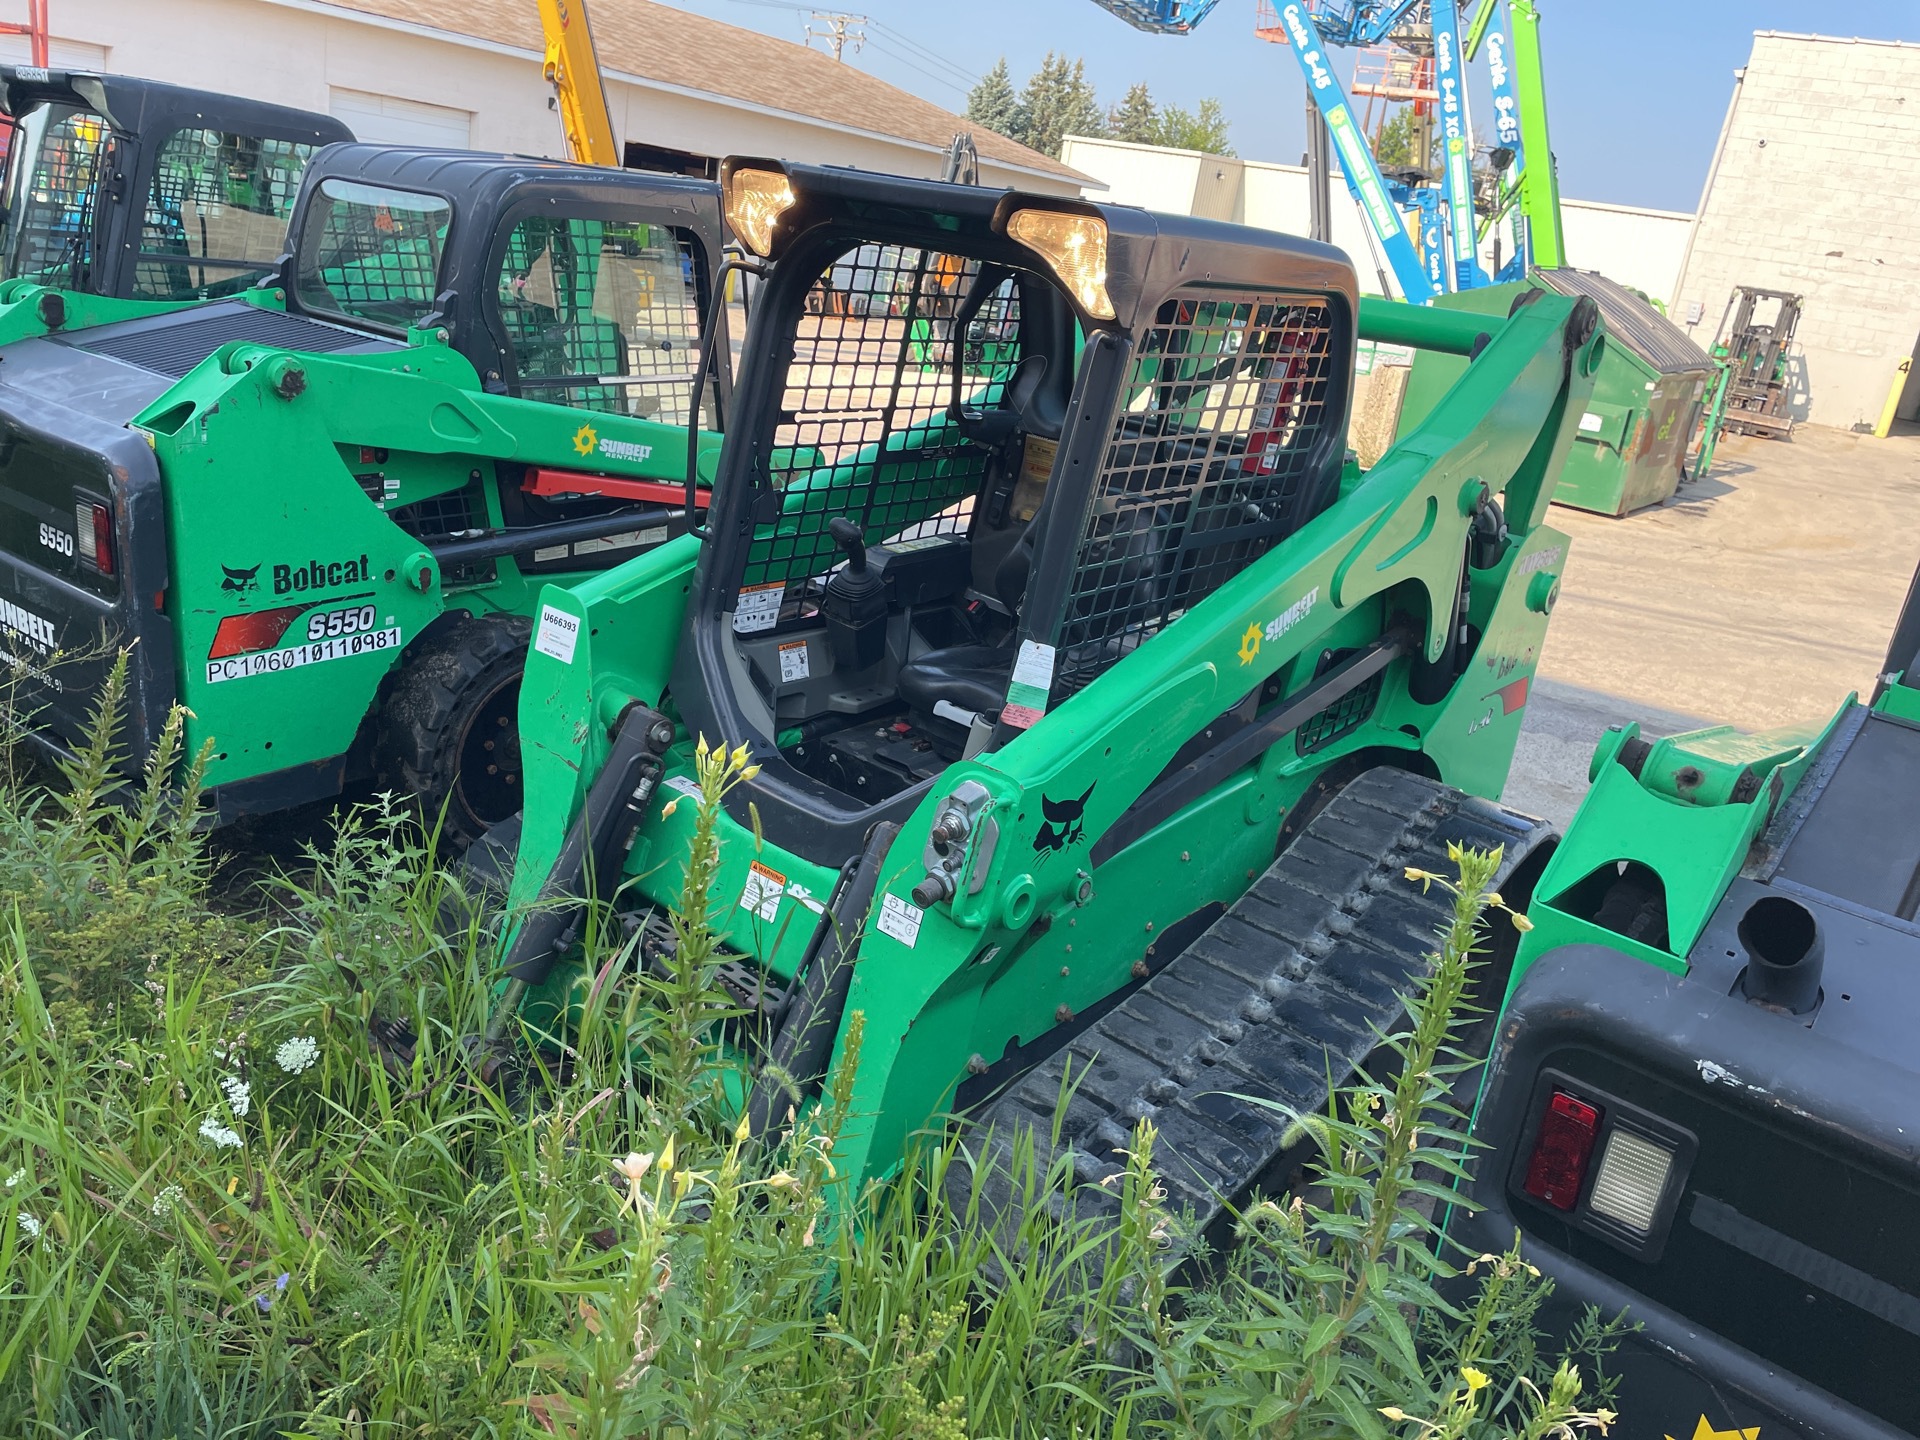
{"points": [[986, 445], [559, 282], [137, 190]]}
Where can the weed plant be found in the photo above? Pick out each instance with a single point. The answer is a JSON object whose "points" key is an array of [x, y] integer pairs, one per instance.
{"points": [[223, 1216]]}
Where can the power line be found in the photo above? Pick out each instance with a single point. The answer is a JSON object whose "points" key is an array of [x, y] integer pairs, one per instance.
{"points": [[901, 58], [926, 54], [912, 53]]}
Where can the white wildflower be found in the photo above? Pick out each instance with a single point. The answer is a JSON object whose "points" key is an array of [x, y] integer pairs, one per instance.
{"points": [[239, 1095], [29, 1226], [222, 1136], [164, 1202], [299, 1054], [17, 1176]]}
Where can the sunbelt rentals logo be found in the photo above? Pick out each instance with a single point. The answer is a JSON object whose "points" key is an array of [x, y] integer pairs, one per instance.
{"points": [[586, 440]]}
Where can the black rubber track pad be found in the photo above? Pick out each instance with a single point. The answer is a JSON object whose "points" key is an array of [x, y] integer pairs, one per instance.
{"points": [[1295, 983]]}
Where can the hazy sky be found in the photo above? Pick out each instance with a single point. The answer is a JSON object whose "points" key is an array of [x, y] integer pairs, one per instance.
{"points": [[1637, 88]]}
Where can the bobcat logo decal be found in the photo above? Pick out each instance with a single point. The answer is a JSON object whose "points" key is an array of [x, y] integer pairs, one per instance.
{"points": [[1065, 824], [239, 582]]}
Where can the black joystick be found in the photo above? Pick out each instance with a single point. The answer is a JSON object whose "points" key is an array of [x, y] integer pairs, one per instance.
{"points": [[855, 604], [847, 536]]}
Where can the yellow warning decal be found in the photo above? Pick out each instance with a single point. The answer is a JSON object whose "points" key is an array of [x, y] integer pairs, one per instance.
{"points": [[1704, 1431]]}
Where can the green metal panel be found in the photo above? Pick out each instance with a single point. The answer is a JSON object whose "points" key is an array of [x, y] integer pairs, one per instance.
{"points": [[259, 484], [1689, 816]]}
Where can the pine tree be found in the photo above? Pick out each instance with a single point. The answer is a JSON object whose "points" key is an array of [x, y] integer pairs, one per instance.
{"points": [[1396, 142], [1043, 105], [1080, 112], [1135, 118], [992, 103], [1204, 130], [1059, 101]]}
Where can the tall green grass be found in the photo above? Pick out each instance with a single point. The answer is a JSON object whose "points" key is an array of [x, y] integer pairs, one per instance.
{"points": [[223, 1216]]}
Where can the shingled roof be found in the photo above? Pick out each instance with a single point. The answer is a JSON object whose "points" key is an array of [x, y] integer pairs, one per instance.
{"points": [[657, 44]]}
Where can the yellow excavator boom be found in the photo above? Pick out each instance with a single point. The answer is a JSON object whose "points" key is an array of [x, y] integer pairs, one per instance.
{"points": [[573, 70]]}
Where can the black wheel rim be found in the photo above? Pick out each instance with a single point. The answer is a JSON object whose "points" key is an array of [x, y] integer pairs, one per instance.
{"points": [[486, 786]]}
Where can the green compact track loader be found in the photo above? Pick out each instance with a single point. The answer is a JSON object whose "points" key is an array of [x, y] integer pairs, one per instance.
{"points": [[318, 513], [143, 191], [1702, 1105], [1046, 647]]}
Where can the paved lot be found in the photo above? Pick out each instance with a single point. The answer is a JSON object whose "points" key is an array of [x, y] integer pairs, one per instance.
{"points": [[1757, 597]]}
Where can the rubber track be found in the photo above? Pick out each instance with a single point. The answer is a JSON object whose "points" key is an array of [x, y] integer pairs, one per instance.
{"points": [[1289, 986]]}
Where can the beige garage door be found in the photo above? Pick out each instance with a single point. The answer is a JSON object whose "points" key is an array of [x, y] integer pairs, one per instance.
{"points": [[389, 120]]}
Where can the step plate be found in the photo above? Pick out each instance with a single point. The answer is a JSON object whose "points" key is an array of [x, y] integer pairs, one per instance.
{"points": [[1293, 984]]}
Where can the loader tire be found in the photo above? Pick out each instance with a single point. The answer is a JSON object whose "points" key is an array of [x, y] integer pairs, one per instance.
{"points": [[1291, 988], [451, 726]]}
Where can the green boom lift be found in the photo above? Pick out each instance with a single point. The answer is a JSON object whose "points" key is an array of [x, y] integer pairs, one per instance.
{"points": [[1046, 651], [317, 514]]}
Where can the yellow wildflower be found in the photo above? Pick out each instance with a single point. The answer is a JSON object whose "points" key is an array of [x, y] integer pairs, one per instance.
{"points": [[1520, 922], [1476, 1379]]}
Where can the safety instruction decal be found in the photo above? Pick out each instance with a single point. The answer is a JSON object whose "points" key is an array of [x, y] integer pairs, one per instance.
{"points": [[758, 607], [793, 662], [900, 920], [1032, 684], [685, 784], [559, 633], [761, 894]]}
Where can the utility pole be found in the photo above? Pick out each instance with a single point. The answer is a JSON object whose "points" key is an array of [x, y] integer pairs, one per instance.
{"points": [[841, 29]]}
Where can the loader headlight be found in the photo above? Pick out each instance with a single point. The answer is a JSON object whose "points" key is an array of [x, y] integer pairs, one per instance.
{"points": [[756, 199], [1075, 248]]}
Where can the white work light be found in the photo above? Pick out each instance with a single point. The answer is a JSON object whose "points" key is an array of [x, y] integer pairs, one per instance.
{"points": [[1075, 246], [756, 199], [1631, 1181]]}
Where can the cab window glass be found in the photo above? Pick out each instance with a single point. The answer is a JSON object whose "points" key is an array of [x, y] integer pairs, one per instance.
{"points": [[52, 176], [603, 315], [371, 254], [216, 216]]}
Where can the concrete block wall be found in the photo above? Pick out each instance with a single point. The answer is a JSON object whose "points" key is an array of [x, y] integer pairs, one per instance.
{"points": [[1811, 192]]}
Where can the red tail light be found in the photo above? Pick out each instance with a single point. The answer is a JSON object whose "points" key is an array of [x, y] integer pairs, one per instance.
{"points": [[1568, 1129], [93, 525]]}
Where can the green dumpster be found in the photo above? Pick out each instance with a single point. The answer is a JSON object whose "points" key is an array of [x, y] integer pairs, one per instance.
{"points": [[1636, 430]]}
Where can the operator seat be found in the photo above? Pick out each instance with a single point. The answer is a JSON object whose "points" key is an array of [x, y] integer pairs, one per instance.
{"points": [[973, 678]]}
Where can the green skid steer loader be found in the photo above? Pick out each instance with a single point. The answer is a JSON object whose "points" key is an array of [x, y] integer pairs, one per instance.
{"points": [[1701, 1109], [1046, 648], [318, 514]]}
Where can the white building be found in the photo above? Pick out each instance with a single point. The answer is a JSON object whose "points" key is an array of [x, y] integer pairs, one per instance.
{"points": [[1811, 191], [682, 90], [1635, 246]]}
